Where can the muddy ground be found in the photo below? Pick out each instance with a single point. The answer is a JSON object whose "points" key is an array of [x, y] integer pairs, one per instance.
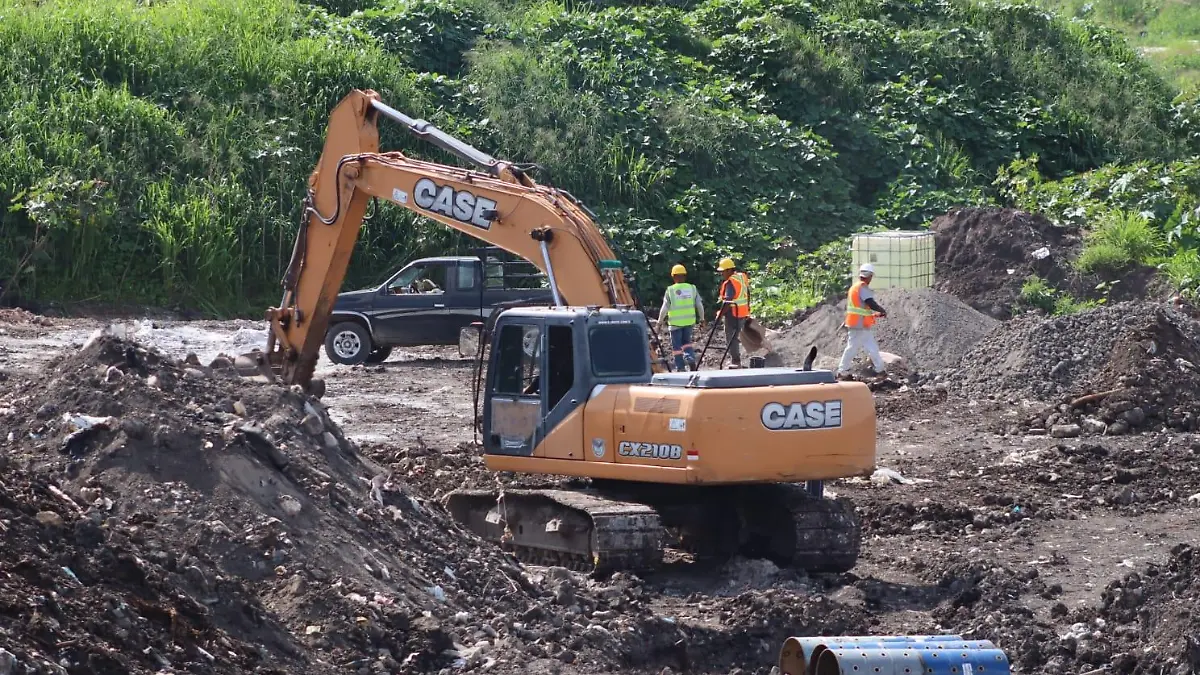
{"points": [[1065, 551]]}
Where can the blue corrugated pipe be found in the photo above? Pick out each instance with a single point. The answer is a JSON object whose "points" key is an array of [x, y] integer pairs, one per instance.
{"points": [[891, 655]]}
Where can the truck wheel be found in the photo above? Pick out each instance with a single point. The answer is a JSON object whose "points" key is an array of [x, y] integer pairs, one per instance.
{"points": [[379, 355], [348, 343]]}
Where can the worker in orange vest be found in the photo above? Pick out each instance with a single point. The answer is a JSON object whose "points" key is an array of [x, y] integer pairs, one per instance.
{"points": [[735, 306], [861, 311]]}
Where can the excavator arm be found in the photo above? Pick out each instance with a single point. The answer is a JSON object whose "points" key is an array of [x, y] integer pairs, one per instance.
{"points": [[500, 205]]}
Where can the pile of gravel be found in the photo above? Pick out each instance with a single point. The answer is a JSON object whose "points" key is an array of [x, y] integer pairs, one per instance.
{"points": [[930, 329], [1142, 360]]}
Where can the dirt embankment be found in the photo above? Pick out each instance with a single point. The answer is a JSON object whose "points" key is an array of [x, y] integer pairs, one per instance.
{"points": [[1109, 370], [984, 255], [159, 514]]}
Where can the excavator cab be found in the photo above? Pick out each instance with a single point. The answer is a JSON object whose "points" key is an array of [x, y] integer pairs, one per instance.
{"points": [[543, 366]]}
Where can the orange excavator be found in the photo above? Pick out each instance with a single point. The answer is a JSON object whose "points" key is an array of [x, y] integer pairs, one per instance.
{"points": [[715, 462]]}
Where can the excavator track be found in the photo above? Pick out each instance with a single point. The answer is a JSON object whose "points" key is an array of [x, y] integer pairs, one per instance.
{"points": [[794, 529], [579, 530], [626, 526]]}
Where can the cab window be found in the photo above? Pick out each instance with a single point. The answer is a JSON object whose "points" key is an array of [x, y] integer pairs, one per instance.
{"points": [[517, 361], [617, 350], [427, 279]]}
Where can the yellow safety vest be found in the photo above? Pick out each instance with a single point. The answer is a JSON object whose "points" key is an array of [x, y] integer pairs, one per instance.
{"points": [[682, 311]]}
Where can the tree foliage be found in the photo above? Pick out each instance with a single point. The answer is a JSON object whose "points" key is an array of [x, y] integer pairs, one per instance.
{"points": [[182, 133]]}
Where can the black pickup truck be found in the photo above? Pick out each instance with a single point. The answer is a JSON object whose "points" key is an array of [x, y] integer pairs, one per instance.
{"points": [[427, 302]]}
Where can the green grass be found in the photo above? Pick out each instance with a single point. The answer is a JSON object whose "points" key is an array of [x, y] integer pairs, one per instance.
{"points": [[1182, 269], [1037, 293], [1167, 32], [1120, 241]]}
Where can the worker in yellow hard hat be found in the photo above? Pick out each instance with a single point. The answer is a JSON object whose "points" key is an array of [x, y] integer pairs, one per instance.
{"points": [[735, 306], [683, 310]]}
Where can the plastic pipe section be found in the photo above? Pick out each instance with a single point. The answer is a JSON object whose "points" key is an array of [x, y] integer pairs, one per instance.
{"points": [[891, 655]]}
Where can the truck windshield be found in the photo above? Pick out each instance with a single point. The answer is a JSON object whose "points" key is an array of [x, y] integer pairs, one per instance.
{"points": [[618, 350]]}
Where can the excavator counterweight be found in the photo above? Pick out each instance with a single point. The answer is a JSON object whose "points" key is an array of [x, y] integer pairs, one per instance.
{"points": [[716, 462]]}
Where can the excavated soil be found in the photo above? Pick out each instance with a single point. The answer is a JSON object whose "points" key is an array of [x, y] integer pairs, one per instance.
{"points": [[1125, 367], [984, 255], [133, 545], [930, 329], [160, 514]]}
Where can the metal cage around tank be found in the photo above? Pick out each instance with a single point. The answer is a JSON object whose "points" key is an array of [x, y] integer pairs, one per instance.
{"points": [[902, 258]]}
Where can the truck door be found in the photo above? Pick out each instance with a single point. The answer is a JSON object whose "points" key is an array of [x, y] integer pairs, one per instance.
{"points": [[412, 307], [464, 299]]}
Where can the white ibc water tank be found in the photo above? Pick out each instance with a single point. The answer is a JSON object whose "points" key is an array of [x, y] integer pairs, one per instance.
{"points": [[902, 258]]}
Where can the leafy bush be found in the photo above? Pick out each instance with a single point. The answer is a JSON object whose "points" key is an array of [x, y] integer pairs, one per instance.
{"points": [[1182, 269], [1120, 241], [183, 133]]}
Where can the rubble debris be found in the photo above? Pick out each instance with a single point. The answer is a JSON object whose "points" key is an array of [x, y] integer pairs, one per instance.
{"points": [[1118, 365]]}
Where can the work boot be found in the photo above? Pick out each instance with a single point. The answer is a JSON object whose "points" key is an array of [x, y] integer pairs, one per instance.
{"points": [[845, 376]]}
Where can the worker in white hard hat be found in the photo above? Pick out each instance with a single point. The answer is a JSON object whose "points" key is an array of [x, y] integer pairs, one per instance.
{"points": [[861, 312]]}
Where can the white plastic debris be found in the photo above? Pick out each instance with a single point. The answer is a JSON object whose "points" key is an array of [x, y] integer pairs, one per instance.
{"points": [[437, 592], [1042, 253], [884, 476], [377, 484], [78, 422]]}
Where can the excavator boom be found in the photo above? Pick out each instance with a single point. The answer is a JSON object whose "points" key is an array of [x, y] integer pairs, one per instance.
{"points": [[500, 204]]}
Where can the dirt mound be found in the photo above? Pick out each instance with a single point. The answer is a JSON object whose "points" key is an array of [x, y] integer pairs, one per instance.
{"points": [[1140, 360], [161, 514], [984, 255], [1145, 624], [930, 329], [21, 317]]}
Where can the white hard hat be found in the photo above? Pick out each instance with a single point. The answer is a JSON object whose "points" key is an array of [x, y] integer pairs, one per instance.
{"points": [[867, 269]]}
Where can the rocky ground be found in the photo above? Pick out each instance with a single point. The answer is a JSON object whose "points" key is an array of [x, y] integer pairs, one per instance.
{"points": [[1036, 488], [161, 515]]}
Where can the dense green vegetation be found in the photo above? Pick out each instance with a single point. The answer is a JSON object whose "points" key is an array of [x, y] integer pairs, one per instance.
{"points": [[157, 152]]}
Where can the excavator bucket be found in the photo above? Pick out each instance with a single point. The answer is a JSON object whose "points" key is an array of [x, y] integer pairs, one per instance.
{"points": [[754, 338], [254, 366]]}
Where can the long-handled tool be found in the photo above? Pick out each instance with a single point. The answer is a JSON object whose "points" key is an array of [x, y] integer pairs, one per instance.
{"points": [[716, 321]]}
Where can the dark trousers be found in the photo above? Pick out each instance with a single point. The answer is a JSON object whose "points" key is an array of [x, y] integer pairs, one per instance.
{"points": [[681, 345], [733, 328]]}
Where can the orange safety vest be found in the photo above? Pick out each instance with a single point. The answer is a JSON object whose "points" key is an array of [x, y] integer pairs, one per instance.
{"points": [[740, 305], [858, 315]]}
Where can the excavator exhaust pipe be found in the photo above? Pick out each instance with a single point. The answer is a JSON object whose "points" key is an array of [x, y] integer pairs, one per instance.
{"points": [[858, 654]]}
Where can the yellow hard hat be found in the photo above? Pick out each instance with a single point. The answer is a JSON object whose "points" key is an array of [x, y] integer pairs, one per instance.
{"points": [[725, 264], [678, 269]]}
